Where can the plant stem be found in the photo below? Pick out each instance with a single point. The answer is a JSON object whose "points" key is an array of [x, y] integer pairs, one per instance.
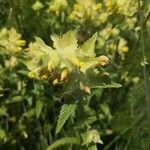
{"points": [[124, 131], [145, 72]]}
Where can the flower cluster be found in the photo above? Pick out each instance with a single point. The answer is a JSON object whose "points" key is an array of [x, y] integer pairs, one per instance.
{"points": [[11, 41], [113, 17], [86, 10], [123, 7], [66, 57], [57, 6], [110, 38]]}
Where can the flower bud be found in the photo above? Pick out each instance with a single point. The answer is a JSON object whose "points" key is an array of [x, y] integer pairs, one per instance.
{"points": [[103, 60], [64, 74], [85, 88], [105, 74], [50, 66], [55, 81], [25, 135]]}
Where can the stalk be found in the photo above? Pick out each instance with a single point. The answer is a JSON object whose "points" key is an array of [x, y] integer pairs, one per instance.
{"points": [[145, 72]]}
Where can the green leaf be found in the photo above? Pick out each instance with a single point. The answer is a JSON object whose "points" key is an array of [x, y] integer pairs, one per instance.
{"points": [[2, 134], [106, 110], [30, 113], [38, 108], [66, 111], [92, 147], [112, 85], [3, 111], [14, 99], [64, 141]]}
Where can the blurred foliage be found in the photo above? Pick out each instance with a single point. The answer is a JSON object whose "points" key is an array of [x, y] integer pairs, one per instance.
{"points": [[86, 87]]}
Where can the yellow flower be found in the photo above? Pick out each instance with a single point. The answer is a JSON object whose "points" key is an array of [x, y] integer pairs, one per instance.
{"points": [[78, 63], [55, 81], [57, 6], [11, 40], [37, 5], [122, 48], [32, 75], [50, 66], [64, 74]]}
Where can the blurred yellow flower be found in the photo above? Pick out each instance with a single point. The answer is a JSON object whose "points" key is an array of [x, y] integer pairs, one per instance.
{"points": [[11, 41]]}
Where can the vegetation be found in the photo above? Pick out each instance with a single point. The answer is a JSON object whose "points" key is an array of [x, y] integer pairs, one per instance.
{"points": [[75, 75]]}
